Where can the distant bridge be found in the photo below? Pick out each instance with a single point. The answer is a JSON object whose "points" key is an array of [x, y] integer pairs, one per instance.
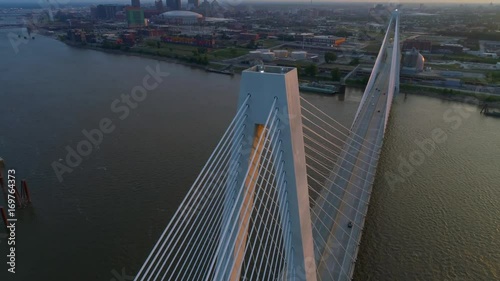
{"points": [[285, 193]]}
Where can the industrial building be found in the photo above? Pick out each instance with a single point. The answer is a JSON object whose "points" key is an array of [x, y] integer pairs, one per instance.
{"points": [[449, 49], [298, 55], [249, 36], [324, 40], [413, 62], [421, 45], [281, 54], [182, 17]]}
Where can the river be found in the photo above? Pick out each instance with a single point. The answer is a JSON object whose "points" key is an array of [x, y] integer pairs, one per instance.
{"points": [[439, 222]]}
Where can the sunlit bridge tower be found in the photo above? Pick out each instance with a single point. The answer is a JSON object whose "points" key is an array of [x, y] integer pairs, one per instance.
{"points": [[273, 149]]}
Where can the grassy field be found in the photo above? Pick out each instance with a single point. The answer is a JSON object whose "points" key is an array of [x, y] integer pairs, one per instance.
{"points": [[464, 58], [449, 92], [454, 66], [269, 43], [228, 53], [178, 50], [166, 49], [373, 46]]}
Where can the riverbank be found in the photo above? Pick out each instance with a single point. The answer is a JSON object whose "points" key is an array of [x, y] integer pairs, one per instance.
{"points": [[441, 93], [474, 98], [134, 54], [469, 97]]}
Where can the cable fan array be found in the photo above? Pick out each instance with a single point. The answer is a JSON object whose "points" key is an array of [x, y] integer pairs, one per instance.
{"points": [[340, 168], [222, 218]]}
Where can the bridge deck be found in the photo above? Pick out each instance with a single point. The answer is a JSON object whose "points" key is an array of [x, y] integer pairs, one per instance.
{"points": [[350, 184]]}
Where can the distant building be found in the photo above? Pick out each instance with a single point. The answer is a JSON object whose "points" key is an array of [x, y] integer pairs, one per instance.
{"points": [[249, 36], [193, 3], [448, 49], [210, 9], [321, 40], [76, 35], [298, 55], [159, 5], [106, 12], [174, 4], [93, 12], [420, 45], [136, 3], [149, 13], [413, 62], [135, 17]]}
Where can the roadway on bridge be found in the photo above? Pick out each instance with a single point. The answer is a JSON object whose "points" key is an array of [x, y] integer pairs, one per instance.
{"points": [[352, 182]]}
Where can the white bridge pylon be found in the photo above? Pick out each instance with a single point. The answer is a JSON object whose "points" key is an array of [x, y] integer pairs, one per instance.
{"points": [[247, 216], [274, 145]]}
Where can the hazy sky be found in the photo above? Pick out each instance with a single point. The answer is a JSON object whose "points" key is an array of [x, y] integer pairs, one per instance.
{"points": [[291, 1]]}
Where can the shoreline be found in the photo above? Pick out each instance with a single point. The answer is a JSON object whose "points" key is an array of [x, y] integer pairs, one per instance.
{"points": [[457, 96], [134, 54]]}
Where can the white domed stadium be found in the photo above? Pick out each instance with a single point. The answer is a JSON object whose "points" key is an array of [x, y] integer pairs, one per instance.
{"points": [[182, 17]]}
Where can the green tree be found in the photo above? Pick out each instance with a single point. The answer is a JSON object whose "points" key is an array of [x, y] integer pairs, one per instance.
{"points": [[311, 70], [299, 70], [330, 57], [251, 44], [354, 61], [335, 74], [204, 60]]}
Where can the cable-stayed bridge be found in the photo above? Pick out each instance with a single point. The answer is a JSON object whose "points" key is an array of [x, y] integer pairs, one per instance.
{"points": [[285, 193]]}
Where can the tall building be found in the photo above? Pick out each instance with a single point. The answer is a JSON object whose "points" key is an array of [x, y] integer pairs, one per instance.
{"points": [[106, 12], [135, 17], [193, 3], [174, 4], [136, 3], [159, 5]]}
